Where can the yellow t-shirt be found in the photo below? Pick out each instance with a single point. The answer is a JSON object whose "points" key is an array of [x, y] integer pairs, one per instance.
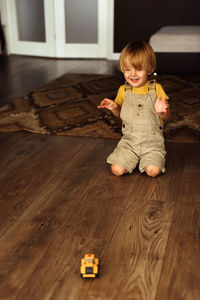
{"points": [[143, 90]]}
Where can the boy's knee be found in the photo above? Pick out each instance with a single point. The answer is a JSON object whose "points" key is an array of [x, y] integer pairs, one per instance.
{"points": [[152, 170], [118, 170]]}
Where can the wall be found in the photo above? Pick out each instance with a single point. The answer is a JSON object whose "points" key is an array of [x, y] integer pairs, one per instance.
{"points": [[140, 19]]}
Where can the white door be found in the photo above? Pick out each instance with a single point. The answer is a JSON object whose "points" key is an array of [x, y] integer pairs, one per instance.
{"points": [[58, 28], [31, 25]]}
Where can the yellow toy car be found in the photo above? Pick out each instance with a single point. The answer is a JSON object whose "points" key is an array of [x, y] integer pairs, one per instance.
{"points": [[89, 266]]}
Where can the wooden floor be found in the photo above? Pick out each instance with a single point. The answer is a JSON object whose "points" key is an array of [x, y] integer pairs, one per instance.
{"points": [[22, 74], [58, 201]]}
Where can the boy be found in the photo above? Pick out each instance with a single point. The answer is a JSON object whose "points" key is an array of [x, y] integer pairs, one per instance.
{"points": [[142, 105]]}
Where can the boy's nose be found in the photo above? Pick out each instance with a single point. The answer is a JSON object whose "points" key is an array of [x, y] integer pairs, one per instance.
{"points": [[133, 72]]}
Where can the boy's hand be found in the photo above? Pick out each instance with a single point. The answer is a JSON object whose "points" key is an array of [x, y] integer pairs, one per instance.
{"points": [[161, 107], [110, 105], [107, 103]]}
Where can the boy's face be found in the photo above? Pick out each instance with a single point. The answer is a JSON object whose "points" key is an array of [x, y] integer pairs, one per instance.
{"points": [[136, 78]]}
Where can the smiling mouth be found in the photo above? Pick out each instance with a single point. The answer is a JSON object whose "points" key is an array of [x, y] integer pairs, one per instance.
{"points": [[134, 80]]}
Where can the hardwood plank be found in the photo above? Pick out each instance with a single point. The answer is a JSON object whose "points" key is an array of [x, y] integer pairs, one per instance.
{"points": [[18, 148], [181, 269]]}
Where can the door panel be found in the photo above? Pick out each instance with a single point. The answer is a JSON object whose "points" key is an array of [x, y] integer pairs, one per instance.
{"points": [[81, 21], [32, 27], [31, 20], [81, 31]]}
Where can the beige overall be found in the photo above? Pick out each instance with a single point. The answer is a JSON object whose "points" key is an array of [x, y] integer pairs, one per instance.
{"points": [[142, 141]]}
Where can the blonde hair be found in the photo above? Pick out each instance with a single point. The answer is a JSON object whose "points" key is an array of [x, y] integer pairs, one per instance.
{"points": [[140, 55]]}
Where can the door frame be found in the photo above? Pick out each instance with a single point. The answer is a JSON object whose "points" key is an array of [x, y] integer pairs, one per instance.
{"points": [[111, 21]]}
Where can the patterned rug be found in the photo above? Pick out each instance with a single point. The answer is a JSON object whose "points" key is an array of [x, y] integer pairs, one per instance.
{"points": [[68, 106]]}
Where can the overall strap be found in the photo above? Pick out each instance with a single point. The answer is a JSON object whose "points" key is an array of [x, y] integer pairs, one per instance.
{"points": [[128, 87], [152, 86]]}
